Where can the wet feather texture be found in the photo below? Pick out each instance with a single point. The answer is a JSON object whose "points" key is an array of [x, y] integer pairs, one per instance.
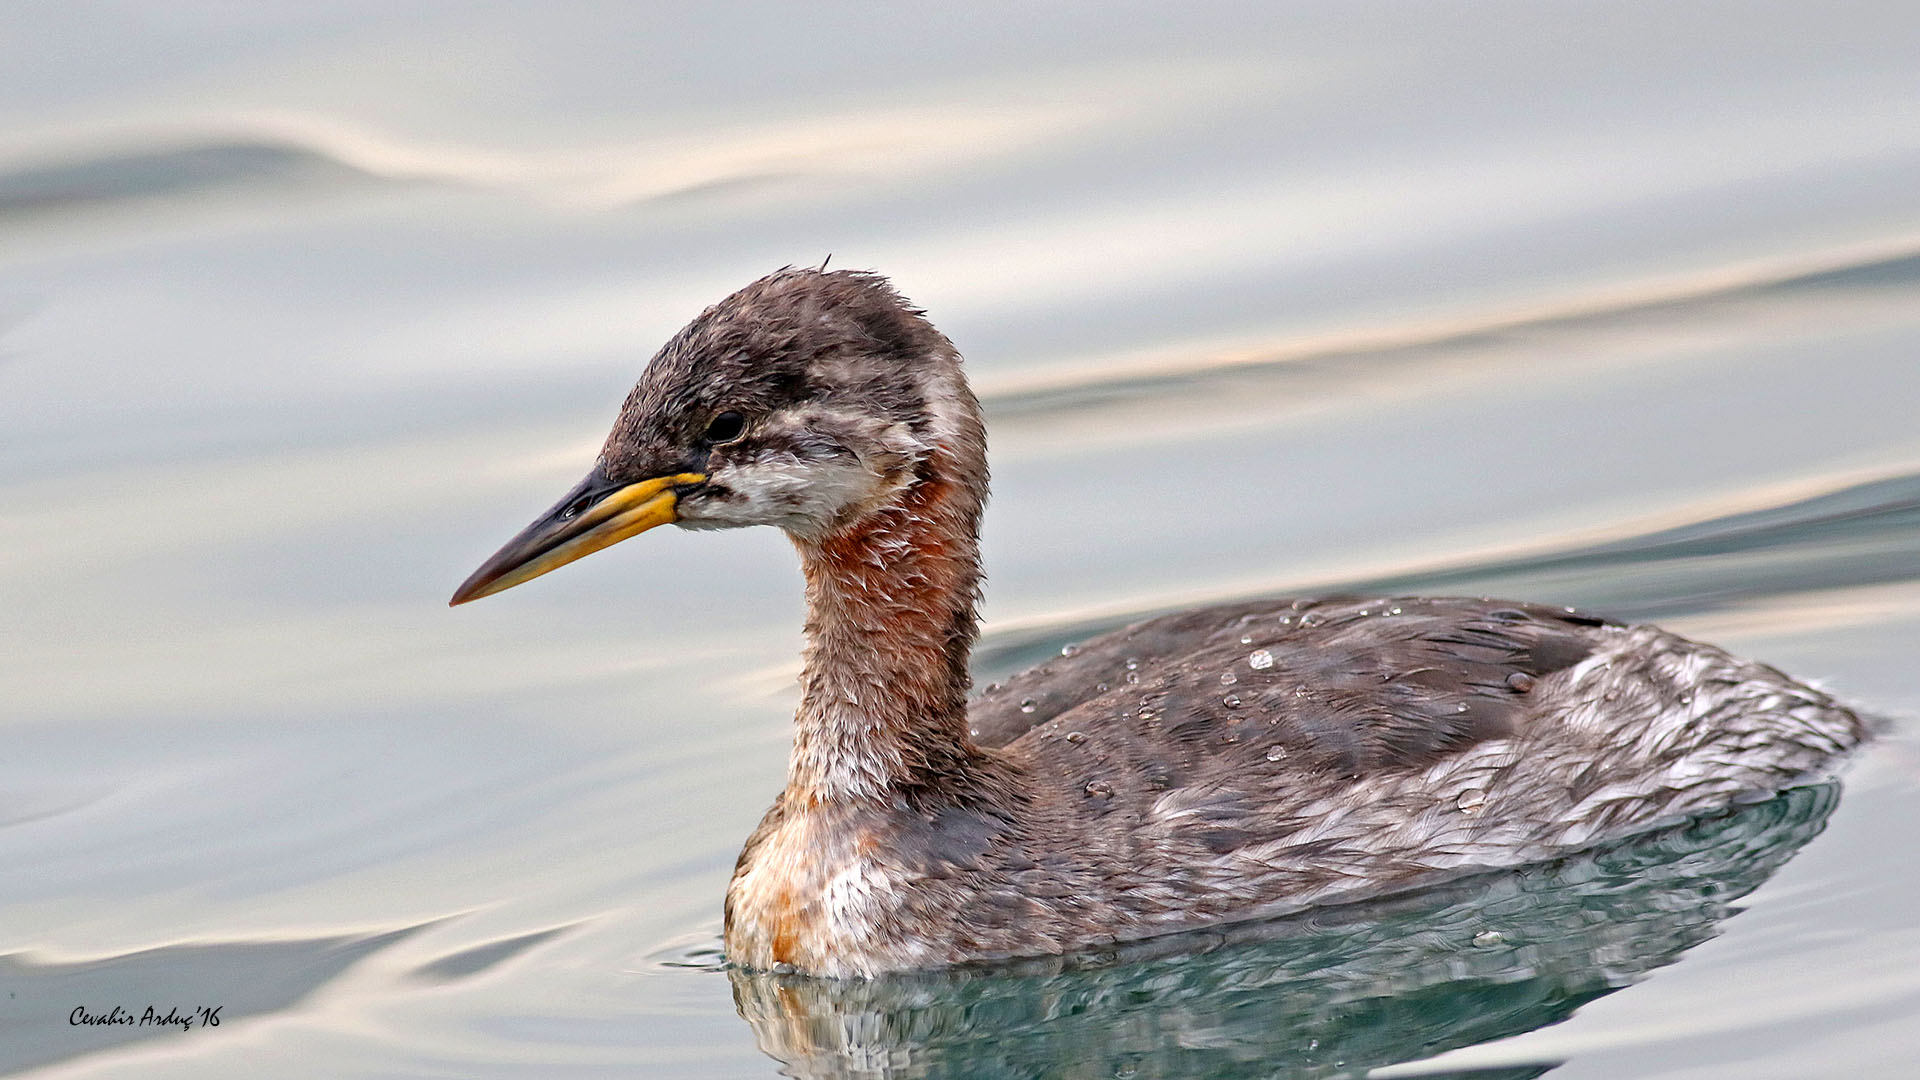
{"points": [[1209, 766]]}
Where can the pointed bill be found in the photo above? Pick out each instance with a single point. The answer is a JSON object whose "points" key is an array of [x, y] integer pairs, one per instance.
{"points": [[595, 514]]}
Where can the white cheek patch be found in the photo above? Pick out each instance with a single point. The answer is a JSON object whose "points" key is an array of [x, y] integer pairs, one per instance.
{"points": [[779, 489], [810, 495], [943, 390]]}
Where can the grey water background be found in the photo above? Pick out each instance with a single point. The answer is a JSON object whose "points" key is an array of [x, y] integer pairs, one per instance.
{"points": [[304, 309]]}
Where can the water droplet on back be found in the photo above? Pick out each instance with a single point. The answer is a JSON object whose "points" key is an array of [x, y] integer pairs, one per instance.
{"points": [[1471, 800], [1228, 678], [1069, 650], [1231, 701], [1099, 789], [1027, 706], [1260, 660], [1276, 753], [1076, 736]]}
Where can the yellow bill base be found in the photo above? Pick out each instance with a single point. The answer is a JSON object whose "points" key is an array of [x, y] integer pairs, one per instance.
{"points": [[627, 512]]}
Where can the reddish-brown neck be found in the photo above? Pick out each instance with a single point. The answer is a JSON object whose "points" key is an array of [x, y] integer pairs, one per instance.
{"points": [[890, 624]]}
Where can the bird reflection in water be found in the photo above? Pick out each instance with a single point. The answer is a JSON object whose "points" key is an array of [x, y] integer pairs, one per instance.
{"points": [[1331, 992]]}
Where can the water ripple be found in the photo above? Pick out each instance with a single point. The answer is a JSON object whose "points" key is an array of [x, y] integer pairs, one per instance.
{"points": [[1859, 534], [1253, 377]]}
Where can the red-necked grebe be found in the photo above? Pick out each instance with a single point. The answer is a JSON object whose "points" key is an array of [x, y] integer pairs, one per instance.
{"points": [[1219, 764]]}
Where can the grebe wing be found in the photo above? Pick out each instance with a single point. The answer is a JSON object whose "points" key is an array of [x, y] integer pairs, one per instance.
{"points": [[1340, 685]]}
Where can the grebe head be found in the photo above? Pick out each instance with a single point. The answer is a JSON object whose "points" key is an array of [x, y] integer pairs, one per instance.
{"points": [[808, 400]]}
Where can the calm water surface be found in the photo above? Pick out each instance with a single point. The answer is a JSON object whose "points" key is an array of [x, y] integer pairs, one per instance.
{"points": [[303, 312]]}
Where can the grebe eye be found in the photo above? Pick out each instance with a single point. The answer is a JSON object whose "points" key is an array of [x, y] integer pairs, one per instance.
{"points": [[726, 427], [573, 509]]}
